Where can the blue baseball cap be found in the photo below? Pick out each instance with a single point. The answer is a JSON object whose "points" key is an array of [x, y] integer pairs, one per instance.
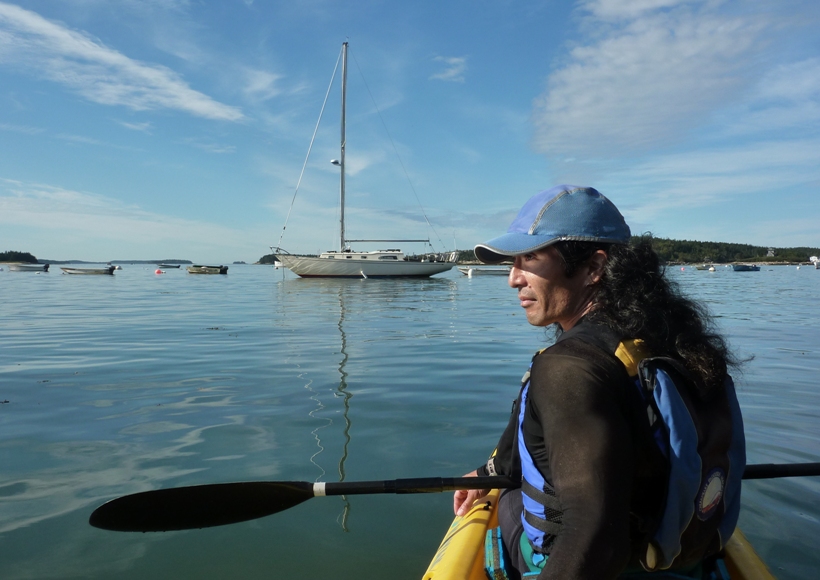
{"points": [[564, 212]]}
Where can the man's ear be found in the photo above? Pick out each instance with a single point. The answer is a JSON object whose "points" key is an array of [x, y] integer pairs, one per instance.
{"points": [[596, 264]]}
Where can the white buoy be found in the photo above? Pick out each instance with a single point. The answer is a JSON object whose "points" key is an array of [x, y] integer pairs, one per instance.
{"points": [[363, 274]]}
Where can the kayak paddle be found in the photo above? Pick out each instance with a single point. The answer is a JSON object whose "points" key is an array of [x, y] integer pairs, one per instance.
{"points": [[203, 506], [773, 470]]}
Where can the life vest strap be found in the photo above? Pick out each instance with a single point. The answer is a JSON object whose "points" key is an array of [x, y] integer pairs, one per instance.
{"points": [[546, 498], [546, 526]]}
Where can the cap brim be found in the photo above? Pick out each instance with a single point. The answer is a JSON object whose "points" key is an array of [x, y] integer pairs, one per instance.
{"points": [[505, 247]]}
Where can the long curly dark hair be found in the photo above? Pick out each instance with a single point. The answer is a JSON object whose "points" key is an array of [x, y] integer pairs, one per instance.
{"points": [[637, 300]]}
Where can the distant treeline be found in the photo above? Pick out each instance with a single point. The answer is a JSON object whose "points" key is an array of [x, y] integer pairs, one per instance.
{"points": [[691, 252], [687, 251], [12, 256], [27, 258]]}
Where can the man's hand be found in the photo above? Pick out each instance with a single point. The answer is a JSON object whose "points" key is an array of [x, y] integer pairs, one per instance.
{"points": [[463, 499]]}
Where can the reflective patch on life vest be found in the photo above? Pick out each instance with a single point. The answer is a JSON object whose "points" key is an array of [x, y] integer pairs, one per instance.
{"points": [[711, 493]]}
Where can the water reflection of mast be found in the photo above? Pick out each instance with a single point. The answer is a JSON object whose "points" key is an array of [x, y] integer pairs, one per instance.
{"points": [[343, 392]]}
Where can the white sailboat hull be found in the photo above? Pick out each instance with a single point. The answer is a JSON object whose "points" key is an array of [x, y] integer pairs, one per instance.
{"points": [[310, 267], [346, 263]]}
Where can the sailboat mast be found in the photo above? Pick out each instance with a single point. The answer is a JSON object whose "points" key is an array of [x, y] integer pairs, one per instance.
{"points": [[342, 153]]}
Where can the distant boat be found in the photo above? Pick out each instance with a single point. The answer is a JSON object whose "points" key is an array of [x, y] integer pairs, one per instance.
{"points": [[745, 268], [166, 266], [471, 271], [108, 270], [28, 267], [198, 269], [345, 263], [702, 267]]}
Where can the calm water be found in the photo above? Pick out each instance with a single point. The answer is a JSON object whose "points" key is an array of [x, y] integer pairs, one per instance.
{"points": [[113, 385]]}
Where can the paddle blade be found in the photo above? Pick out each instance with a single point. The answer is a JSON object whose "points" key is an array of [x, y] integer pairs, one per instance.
{"points": [[199, 506]]}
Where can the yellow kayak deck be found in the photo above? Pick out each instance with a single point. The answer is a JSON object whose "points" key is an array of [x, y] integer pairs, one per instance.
{"points": [[461, 554]]}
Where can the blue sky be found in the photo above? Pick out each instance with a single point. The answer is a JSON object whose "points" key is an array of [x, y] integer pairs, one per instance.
{"points": [[178, 128]]}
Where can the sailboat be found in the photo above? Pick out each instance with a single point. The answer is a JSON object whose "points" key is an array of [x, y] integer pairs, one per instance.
{"points": [[346, 263]]}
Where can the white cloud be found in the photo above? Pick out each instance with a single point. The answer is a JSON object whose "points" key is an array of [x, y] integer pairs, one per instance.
{"points": [[644, 83], [143, 127], [618, 9], [787, 98], [261, 85], [79, 139], [21, 129], [82, 224], [699, 178], [83, 140], [456, 66], [730, 193], [210, 146], [34, 45]]}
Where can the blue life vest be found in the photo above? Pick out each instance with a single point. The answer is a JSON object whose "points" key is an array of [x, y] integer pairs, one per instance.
{"points": [[704, 456], [704, 450], [542, 516]]}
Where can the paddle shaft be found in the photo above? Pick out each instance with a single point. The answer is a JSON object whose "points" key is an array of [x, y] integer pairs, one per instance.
{"points": [[440, 484], [773, 470], [414, 485]]}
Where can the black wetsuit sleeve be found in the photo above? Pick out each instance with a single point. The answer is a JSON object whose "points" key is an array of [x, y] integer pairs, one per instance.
{"points": [[589, 461]]}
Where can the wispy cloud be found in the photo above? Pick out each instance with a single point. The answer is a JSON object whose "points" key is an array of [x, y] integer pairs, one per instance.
{"points": [[455, 67], [143, 127], [645, 80], [698, 178], [84, 140], [210, 146], [34, 45], [21, 129], [79, 139], [620, 9], [261, 85], [82, 224]]}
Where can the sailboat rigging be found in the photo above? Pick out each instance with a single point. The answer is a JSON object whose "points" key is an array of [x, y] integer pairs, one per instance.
{"points": [[346, 263]]}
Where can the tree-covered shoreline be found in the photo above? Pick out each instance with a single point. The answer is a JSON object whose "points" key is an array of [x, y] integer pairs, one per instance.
{"points": [[15, 256], [670, 252], [27, 258], [694, 252]]}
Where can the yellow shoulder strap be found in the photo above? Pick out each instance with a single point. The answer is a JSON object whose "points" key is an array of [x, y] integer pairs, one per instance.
{"points": [[630, 353]]}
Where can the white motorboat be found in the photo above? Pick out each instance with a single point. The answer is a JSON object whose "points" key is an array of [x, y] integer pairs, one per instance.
{"points": [[200, 269], [21, 267], [92, 271], [471, 271]]}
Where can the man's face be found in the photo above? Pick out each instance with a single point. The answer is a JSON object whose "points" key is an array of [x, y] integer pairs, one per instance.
{"points": [[545, 292]]}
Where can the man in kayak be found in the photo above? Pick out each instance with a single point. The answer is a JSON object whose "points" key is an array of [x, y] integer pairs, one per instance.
{"points": [[592, 485]]}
